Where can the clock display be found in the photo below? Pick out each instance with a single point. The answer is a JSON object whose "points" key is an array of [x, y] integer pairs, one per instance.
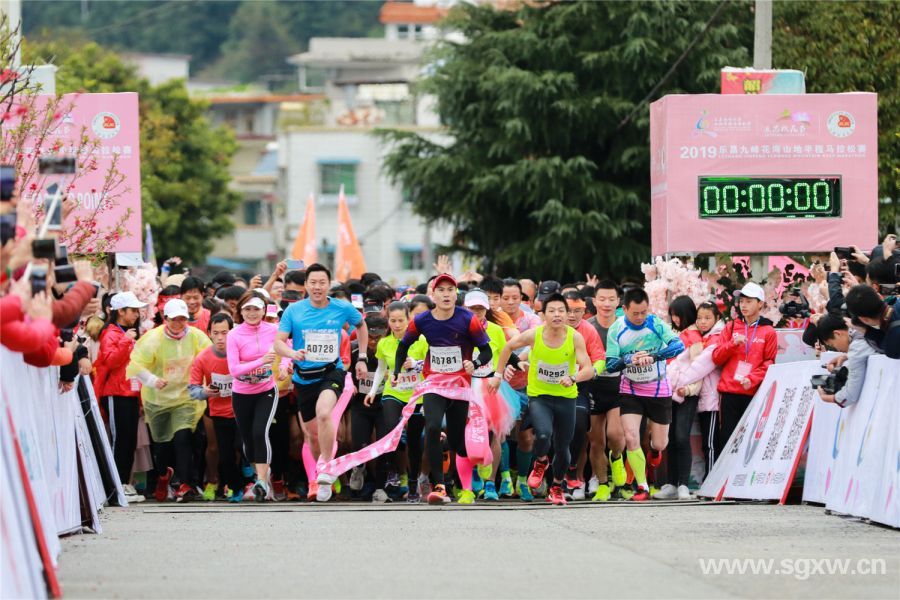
{"points": [[806, 197]]}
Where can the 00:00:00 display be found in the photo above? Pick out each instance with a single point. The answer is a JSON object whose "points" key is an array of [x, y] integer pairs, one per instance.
{"points": [[773, 198]]}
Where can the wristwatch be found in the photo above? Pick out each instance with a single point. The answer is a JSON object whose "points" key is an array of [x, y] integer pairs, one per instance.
{"points": [[362, 357]]}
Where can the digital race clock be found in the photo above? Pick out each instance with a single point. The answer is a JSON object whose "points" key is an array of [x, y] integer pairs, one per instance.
{"points": [[751, 196]]}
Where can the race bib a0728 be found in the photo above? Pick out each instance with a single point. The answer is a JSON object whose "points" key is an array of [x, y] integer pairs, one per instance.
{"points": [[321, 346]]}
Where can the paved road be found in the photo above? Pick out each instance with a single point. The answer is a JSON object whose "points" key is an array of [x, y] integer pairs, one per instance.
{"points": [[399, 551]]}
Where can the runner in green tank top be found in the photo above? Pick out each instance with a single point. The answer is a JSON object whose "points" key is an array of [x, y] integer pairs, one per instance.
{"points": [[556, 348]]}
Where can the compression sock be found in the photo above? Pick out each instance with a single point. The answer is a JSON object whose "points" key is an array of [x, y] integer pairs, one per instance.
{"points": [[464, 471], [638, 466], [309, 463], [504, 457], [523, 462]]}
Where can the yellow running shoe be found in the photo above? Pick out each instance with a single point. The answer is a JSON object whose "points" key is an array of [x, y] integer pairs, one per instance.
{"points": [[618, 469], [466, 497], [485, 471], [603, 493], [209, 492], [626, 493]]}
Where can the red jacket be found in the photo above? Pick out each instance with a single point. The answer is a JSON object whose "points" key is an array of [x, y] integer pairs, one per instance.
{"points": [[67, 309], [763, 343], [113, 357], [38, 340]]}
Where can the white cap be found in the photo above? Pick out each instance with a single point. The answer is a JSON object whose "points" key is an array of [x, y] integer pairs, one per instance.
{"points": [[263, 292], [257, 302], [477, 298], [125, 300], [753, 290], [176, 308]]}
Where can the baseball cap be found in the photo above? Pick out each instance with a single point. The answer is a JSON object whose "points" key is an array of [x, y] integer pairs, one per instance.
{"points": [[176, 307], [175, 279], [752, 290], [476, 298], [444, 277], [372, 306], [125, 300], [548, 288], [257, 302]]}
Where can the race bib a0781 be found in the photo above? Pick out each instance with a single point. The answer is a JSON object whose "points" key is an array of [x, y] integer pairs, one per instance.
{"points": [[446, 359]]}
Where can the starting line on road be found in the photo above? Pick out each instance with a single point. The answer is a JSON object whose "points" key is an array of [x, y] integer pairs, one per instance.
{"points": [[402, 506]]}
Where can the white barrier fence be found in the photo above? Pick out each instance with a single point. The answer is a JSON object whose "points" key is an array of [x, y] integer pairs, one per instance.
{"points": [[54, 484], [853, 462]]}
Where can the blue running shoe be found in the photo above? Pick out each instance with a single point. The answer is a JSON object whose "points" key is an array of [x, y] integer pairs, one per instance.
{"points": [[236, 496], [490, 492], [524, 491], [506, 487], [477, 482]]}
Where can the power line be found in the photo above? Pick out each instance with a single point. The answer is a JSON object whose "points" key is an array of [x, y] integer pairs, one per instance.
{"points": [[137, 17], [674, 67]]}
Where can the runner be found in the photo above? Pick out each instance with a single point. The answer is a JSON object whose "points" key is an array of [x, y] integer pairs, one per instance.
{"points": [[451, 333], [556, 348], [254, 397], [638, 344], [192, 290], [606, 423], [162, 360], [211, 381], [524, 321], [395, 397], [574, 484], [120, 396], [316, 326]]}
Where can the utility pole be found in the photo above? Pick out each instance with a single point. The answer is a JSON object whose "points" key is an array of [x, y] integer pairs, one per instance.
{"points": [[762, 35]]}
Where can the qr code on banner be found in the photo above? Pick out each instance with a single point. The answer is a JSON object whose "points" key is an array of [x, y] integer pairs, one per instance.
{"points": [[799, 423], [780, 420]]}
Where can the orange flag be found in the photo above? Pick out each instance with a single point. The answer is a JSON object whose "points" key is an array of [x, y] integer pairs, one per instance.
{"points": [[305, 244], [349, 262]]}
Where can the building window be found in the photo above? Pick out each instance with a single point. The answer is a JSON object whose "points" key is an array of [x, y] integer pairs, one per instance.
{"points": [[402, 31], [333, 175], [253, 212], [411, 260]]}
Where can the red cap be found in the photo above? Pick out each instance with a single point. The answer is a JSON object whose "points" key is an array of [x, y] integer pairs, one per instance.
{"points": [[443, 277]]}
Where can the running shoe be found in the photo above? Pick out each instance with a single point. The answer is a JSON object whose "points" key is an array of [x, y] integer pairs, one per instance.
{"points": [[667, 492], [249, 496], [380, 497], [641, 495], [626, 493], [619, 473], [366, 493], [567, 493], [485, 471], [556, 496], [413, 498], [684, 493], [654, 458], [392, 484], [536, 478], [423, 485], [653, 490], [292, 495], [234, 496], [325, 481], [185, 493], [466, 497], [602, 494], [162, 486], [313, 491], [132, 495], [279, 494], [541, 491], [209, 492], [260, 490], [506, 486], [525, 494], [572, 479], [438, 495], [357, 478], [578, 493], [490, 492], [593, 485], [477, 482]]}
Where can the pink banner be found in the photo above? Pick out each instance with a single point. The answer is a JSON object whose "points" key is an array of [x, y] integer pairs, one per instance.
{"points": [[764, 174], [112, 120]]}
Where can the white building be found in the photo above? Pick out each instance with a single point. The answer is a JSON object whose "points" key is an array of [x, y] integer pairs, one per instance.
{"points": [[159, 68], [367, 84]]}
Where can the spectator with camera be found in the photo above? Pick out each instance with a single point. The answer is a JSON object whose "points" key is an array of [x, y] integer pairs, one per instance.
{"points": [[879, 317], [836, 334]]}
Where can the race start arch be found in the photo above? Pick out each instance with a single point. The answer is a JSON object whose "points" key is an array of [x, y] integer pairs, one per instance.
{"points": [[763, 174]]}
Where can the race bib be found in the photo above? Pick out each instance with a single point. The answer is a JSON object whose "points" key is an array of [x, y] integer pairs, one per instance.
{"points": [[321, 346], [365, 385], [483, 370], [552, 374], [257, 376], [407, 380], [644, 374], [446, 359], [223, 383]]}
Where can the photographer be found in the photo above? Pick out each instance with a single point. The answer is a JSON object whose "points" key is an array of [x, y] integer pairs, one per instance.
{"points": [[880, 318], [834, 333]]}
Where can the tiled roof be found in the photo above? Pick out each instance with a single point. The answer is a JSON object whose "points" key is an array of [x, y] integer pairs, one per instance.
{"points": [[409, 13]]}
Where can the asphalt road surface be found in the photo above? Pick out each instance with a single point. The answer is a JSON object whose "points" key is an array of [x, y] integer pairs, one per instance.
{"points": [[617, 550]]}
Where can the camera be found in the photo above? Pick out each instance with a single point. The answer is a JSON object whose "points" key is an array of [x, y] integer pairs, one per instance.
{"points": [[7, 228], [830, 383], [7, 182], [66, 335], [844, 252], [887, 289], [797, 306], [38, 280], [56, 165]]}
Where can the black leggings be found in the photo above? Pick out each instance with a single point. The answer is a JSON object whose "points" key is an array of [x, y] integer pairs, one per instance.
{"points": [[457, 411], [709, 430], [280, 438], [229, 452], [254, 414], [582, 424], [680, 455], [177, 453], [364, 421], [123, 426], [553, 417], [390, 415], [732, 408]]}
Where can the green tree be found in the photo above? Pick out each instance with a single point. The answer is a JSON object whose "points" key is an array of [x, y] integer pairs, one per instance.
{"points": [[184, 160], [850, 47], [539, 176]]}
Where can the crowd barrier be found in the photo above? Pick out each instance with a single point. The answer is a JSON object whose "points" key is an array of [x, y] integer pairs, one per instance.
{"points": [[58, 472], [853, 454]]}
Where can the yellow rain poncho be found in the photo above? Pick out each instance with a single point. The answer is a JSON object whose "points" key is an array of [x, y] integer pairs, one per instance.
{"points": [[157, 356]]}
